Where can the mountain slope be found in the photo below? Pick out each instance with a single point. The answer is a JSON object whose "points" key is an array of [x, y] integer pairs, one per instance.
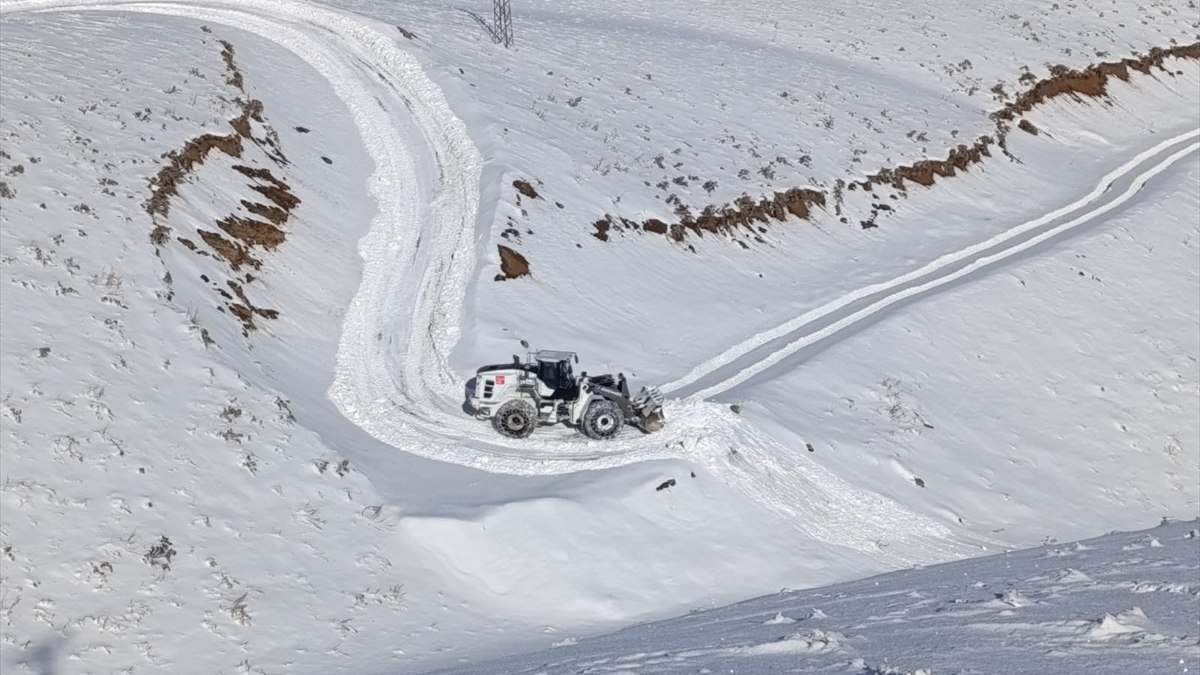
{"points": [[1124, 602], [249, 260]]}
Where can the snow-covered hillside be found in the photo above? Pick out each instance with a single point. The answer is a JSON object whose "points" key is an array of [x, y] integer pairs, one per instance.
{"points": [[921, 285], [1121, 603]]}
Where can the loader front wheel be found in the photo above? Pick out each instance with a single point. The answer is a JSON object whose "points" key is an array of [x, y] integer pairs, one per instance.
{"points": [[602, 420], [515, 419]]}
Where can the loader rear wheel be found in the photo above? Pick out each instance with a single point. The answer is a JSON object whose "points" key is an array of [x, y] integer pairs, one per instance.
{"points": [[602, 420], [515, 419]]}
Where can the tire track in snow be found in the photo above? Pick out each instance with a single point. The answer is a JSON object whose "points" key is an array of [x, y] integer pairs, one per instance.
{"points": [[732, 367]]}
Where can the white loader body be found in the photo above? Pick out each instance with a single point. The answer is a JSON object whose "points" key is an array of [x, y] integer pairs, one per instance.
{"points": [[519, 396]]}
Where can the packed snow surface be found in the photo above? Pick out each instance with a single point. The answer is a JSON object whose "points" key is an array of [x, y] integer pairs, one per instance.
{"points": [[1121, 603], [252, 252]]}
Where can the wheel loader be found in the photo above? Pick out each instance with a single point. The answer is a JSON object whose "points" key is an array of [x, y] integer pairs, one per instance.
{"points": [[519, 396]]}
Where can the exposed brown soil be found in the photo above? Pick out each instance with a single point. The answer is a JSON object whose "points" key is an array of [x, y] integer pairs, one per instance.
{"points": [[235, 75], [235, 254], [252, 110], [513, 265], [744, 214], [926, 171], [259, 174], [180, 163], [277, 191], [748, 214], [245, 310], [655, 225], [240, 235], [241, 123], [1091, 82], [252, 232], [160, 235], [245, 234], [276, 215], [525, 188], [282, 197]]}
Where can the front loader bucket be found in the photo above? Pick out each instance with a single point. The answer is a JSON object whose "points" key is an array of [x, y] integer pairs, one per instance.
{"points": [[648, 404], [653, 421]]}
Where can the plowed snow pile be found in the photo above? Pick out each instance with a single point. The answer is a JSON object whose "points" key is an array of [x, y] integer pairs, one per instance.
{"points": [[251, 253]]}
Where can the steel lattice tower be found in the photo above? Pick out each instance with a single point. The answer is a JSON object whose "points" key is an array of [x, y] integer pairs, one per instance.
{"points": [[502, 10]]}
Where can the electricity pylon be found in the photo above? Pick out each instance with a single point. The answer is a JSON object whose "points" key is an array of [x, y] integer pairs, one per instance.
{"points": [[502, 11]]}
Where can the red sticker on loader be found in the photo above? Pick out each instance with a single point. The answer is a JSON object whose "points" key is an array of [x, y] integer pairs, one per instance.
{"points": [[499, 379]]}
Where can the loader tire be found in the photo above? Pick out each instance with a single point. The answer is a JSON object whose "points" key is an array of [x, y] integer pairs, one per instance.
{"points": [[602, 420], [515, 419]]}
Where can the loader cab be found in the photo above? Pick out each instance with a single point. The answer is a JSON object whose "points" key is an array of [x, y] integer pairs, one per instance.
{"points": [[556, 380]]}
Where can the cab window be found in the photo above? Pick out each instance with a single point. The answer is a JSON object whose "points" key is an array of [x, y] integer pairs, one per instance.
{"points": [[555, 374]]}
